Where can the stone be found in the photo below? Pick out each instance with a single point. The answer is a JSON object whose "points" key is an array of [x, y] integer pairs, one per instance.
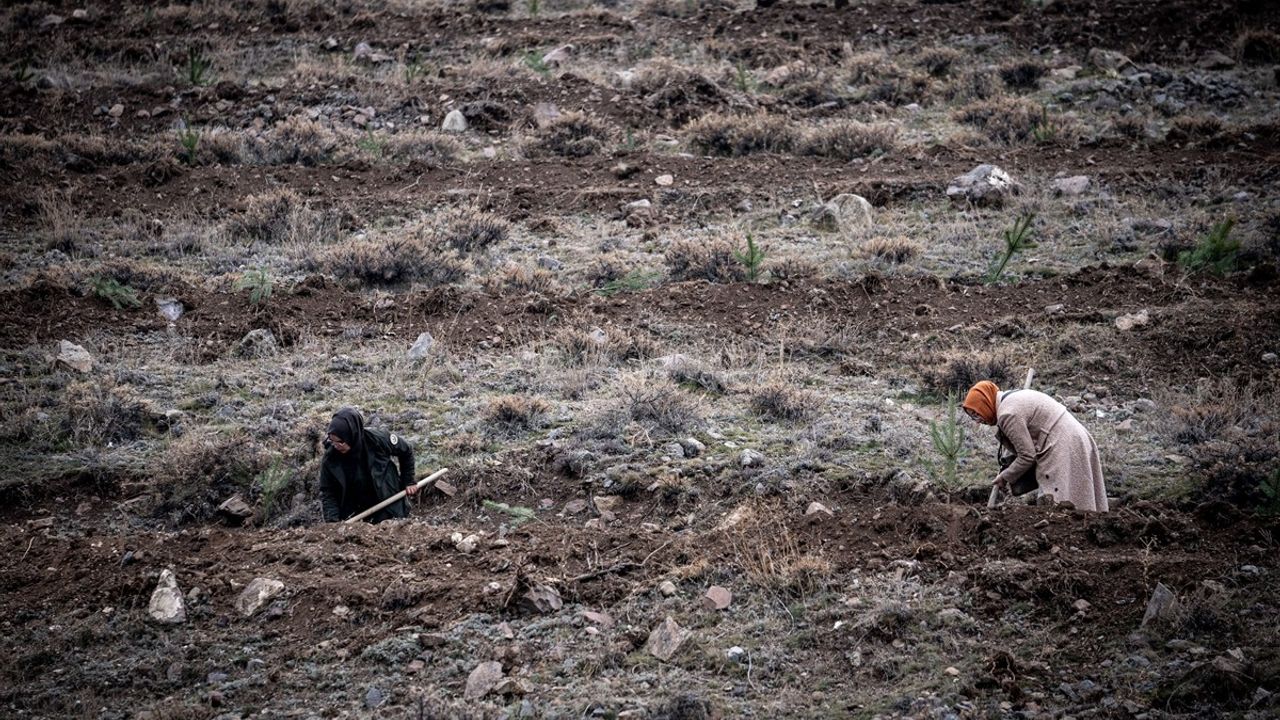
{"points": [[511, 687], [1270, 358], [952, 671], [454, 122], [1070, 72], [51, 20], [558, 57], [545, 113], [667, 588], [664, 180], [1124, 323], [259, 343], [607, 505], [1073, 186], [692, 447], [465, 544], [1163, 605], [1053, 309], [750, 458], [735, 654], [1125, 426], [817, 508], [422, 346], [1082, 605], [447, 488], [843, 212], [74, 357], [116, 110], [542, 599], [236, 509], [985, 185], [169, 308], [954, 617], [1214, 60], [258, 593], [482, 680], [717, 598], [665, 639], [167, 606], [598, 618], [374, 698], [674, 450], [1108, 60]]}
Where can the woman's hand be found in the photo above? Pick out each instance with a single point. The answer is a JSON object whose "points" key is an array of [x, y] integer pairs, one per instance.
{"points": [[1002, 483], [412, 490]]}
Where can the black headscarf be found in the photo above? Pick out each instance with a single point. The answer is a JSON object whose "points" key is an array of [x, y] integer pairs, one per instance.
{"points": [[349, 427]]}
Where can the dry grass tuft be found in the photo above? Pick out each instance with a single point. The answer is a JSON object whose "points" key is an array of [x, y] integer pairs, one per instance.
{"points": [[296, 140], [793, 270], [394, 261], [1023, 75], [696, 376], [712, 260], [779, 400], [275, 217], [850, 140], [201, 469], [770, 557], [97, 413], [894, 250], [429, 148], [518, 279], [1212, 409], [516, 412], [1192, 128], [574, 135], [581, 347], [977, 84], [469, 230], [939, 61], [1005, 120], [733, 136]]}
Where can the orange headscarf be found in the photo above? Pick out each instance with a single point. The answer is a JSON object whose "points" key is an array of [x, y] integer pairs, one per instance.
{"points": [[982, 400]]}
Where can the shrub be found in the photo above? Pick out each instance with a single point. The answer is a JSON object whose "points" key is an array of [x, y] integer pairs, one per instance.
{"points": [[696, 376], [1023, 75], [660, 404], [712, 260], [1217, 252], [894, 250], [579, 347], [958, 372], [268, 217], [1259, 47], [947, 438], [792, 269], [270, 483], [394, 261], [732, 136], [751, 257], [771, 559], [1006, 120], [97, 414], [259, 283], [939, 61], [898, 89], [516, 412], [469, 230], [783, 401], [574, 135], [295, 140], [979, 84], [119, 295], [428, 148], [1016, 239], [200, 470], [633, 281], [850, 140], [198, 66], [1190, 128]]}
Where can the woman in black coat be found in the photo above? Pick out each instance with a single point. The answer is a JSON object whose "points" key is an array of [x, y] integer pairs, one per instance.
{"points": [[357, 472]]}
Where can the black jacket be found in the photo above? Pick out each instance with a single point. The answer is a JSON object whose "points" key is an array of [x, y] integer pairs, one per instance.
{"points": [[380, 447]]}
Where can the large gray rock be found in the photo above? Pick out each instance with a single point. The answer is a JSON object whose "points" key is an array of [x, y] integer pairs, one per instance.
{"points": [[454, 122], [259, 592], [258, 343], [74, 357], [1071, 186], [542, 599], [985, 185], [167, 605], [665, 639], [843, 212], [422, 346], [1108, 60], [1163, 605], [482, 680]]}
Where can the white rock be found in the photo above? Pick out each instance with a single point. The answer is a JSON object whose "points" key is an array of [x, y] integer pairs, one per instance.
{"points": [[625, 78], [640, 204], [167, 605], [454, 122], [465, 544], [717, 598], [1133, 320], [74, 357], [1071, 186], [170, 308], [545, 113], [816, 508], [1108, 60], [422, 346], [693, 447], [983, 185], [667, 588], [259, 592], [735, 654], [558, 57], [844, 212], [750, 458], [665, 180]]}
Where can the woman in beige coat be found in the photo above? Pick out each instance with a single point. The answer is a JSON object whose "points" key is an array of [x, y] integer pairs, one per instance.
{"points": [[1045, 435]]}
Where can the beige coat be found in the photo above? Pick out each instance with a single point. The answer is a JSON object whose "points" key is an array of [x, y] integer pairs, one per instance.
{"points": [[1044, 432]]}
